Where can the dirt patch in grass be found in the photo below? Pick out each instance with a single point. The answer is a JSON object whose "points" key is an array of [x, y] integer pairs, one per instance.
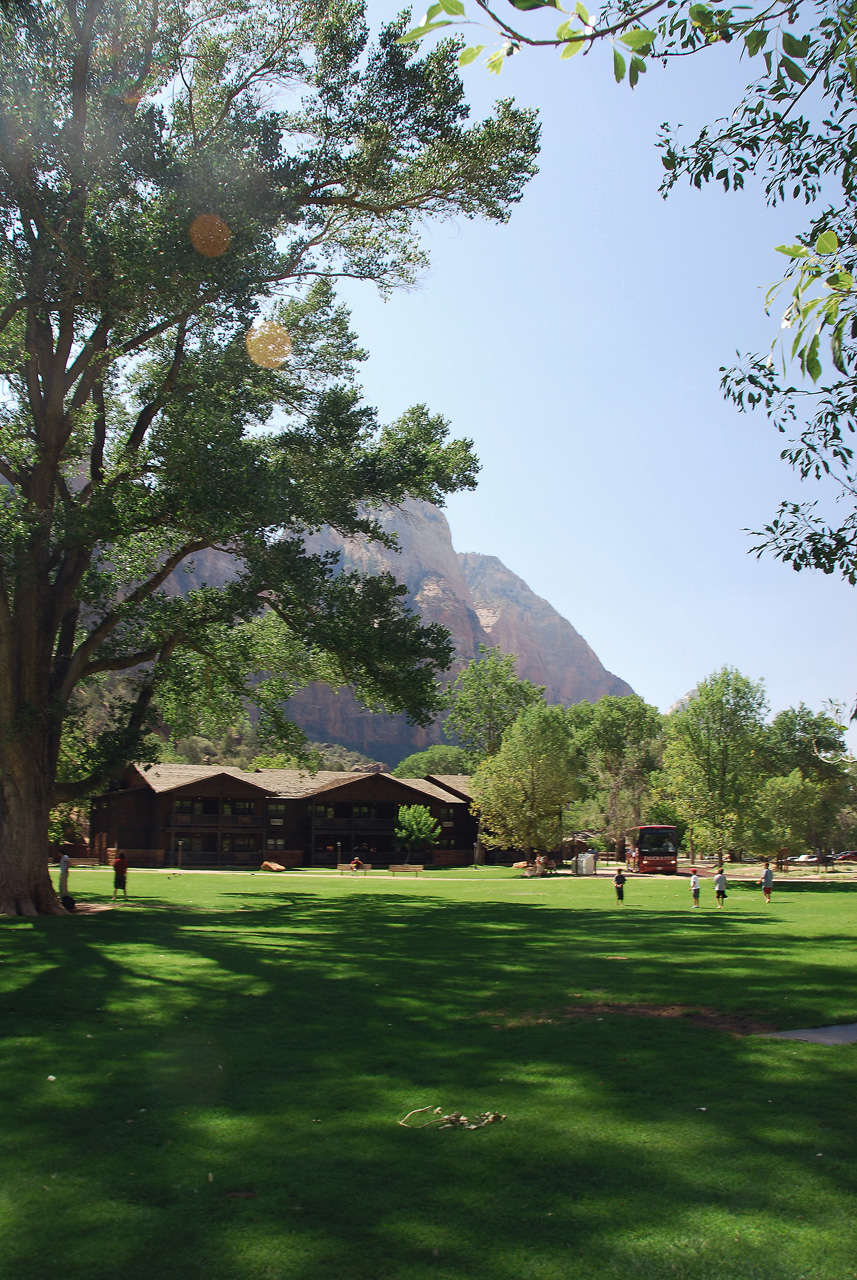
{"points": [[698, 1016]]}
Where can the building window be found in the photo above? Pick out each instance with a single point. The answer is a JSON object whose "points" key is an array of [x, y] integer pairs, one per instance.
{"points": [[277, 808], [446, 813], [275, 842], [200, 844], [321, 810], [239, 844], [196, 804], [239, 808]]}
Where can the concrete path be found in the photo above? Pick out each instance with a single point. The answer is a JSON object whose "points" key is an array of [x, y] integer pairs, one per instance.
{"points": [[845, 1033]]}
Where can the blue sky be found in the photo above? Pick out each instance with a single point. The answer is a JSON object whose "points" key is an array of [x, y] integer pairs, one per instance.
{"points": [[579, 346]]}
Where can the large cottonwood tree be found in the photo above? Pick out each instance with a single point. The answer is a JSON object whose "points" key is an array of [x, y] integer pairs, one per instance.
{"points": [[520, 791], [170, 174], [716, 758]]}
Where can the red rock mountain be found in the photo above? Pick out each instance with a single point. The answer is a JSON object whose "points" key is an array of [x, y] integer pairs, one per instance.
{"points": [[479, 601], [475, 597]]}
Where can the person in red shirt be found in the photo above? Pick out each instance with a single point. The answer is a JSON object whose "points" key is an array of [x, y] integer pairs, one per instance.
{"points": [[120, 875]]}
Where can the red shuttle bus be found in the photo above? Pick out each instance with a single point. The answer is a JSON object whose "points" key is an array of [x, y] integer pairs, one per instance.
{"points": [[653, 849]]}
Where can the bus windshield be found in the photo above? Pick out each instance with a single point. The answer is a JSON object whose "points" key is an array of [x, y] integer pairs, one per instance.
{"points": [[658, 842]]}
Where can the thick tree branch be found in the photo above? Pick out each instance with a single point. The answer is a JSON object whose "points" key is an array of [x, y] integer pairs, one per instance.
{"points": [[9, 312], [83, 655], [124, 663], [149, 411], [68, 792]]}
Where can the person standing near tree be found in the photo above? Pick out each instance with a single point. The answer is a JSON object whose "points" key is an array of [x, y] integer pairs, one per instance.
{"points": [[720, 888], [694, 887], [65, 863]]}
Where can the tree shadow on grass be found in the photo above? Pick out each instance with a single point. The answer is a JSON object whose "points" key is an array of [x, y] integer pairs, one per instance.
{"points": [[796, 886], [276, 1048]]}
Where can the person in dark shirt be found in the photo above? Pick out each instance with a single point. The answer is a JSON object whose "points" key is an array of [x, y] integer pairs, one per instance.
{"points": [[619, 886], [120, 875]]}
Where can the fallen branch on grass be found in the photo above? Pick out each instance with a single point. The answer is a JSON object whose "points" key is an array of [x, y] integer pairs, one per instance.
{"points": [[454, 1120]]}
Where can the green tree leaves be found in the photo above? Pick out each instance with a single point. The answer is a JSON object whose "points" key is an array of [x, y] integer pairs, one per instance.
{"points": [[416, 830], [440, 759], [716, 758], [521, 790], [485, 699]]}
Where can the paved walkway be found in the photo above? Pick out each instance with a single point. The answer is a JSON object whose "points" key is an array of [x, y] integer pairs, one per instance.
{"points": [[845, 1033]]}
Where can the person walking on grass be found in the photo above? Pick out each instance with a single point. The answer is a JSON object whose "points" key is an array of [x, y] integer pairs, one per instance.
{"points": [[619, 886], [120, 875], [65, 863], [767, 882], [694, 887], [720, 888]]}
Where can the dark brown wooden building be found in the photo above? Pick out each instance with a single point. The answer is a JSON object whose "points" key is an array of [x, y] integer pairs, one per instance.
{"points": [[212, 815]]}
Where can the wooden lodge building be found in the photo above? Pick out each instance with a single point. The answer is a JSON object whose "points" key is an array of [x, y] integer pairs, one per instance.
{"points": [[212, 815]]}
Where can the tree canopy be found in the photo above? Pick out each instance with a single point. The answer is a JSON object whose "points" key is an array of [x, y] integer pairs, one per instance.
{"points": [[436, 759], [417, 830], [620, 740], [520, 791], [485, 698], [178, 189]]}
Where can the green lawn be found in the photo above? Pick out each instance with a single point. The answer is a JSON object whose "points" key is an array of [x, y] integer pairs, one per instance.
{"points": [[263, 1034]]}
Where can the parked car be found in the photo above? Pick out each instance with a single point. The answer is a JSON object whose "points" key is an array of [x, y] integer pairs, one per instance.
{"points": [[804, 859], [849, 856]]}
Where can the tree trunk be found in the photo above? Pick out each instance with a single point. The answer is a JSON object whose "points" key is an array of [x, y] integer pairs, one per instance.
{"points": [[25, 804]]}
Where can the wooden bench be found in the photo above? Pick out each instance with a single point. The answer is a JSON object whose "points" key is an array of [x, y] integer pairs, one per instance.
{"points": [[416, 867], [342, 867]]}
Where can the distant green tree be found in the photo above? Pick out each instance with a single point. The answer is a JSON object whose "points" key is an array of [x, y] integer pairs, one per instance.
{"points": [[663, 812], [283, 760], [844, 835], [622, 741], [485, 699], [438, 759], [801, 739], [800, 812], [521, 790], [715, 758], [417, 830]]}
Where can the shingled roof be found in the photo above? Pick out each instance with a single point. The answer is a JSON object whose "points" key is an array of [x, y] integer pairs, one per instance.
{"points": [[290, 784], [459, 784]]}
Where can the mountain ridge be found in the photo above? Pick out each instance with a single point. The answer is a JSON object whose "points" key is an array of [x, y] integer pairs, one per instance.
{"points": [[476, 597], [480, 601]]}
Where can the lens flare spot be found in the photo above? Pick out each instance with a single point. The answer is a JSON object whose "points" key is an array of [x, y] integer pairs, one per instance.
{"points": [[268, 344], [210, 235]]}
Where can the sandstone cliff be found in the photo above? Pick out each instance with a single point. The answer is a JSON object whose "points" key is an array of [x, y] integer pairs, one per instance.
{"points": [[479, 601], [550, 651]]}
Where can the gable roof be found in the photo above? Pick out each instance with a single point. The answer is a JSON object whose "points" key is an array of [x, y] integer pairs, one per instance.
{"points": [[290, 784], [460, 784], [429, 788], [168, 777]]}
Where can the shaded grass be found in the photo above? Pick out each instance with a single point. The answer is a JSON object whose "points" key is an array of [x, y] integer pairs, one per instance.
{"points": [[269, 1032]]}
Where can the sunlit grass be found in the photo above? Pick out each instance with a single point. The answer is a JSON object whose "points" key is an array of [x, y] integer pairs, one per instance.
{"points": [[232, 1054]]}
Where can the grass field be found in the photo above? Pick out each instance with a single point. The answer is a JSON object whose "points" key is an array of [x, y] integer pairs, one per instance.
{"points": [[263, 1035]]}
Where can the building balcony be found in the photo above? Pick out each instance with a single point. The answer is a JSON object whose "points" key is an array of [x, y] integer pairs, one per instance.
{"points": [[225, 821]]}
